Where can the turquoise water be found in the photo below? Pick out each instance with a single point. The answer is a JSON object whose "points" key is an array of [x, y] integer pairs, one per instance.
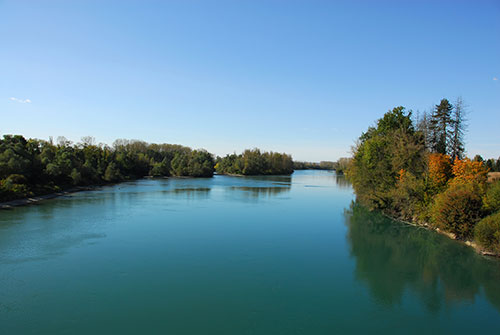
{"points": [[234, 255]]}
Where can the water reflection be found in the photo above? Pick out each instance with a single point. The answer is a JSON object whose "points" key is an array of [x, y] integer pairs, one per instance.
{"points": [[393, 257], [275, 179], [191, 193], [257, 192], [251, 188], [342, 181]]}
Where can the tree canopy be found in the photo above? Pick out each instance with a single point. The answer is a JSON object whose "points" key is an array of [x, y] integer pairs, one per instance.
{"points": [[253, 162], [31, 167]]}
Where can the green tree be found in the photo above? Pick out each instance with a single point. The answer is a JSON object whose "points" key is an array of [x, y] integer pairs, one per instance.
{"points": [[254, 162], [380, 156], [441, 121], [161, 168], [112, 173]]}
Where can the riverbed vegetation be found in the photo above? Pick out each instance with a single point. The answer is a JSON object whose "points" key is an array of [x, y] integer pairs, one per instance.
{"points": [[416, 170]]}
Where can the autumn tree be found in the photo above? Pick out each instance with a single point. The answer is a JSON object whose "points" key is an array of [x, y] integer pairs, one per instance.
{"points": [[439, 171], [465, 171]]}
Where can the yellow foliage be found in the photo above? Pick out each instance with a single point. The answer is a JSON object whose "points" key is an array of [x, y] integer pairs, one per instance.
{"points": [[465, 171]]}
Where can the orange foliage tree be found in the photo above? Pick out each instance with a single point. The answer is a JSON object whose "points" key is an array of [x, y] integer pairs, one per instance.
{"points": [[465, 171], [439, 169]]}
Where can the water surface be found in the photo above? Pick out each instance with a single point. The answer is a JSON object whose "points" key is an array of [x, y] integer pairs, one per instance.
{"points": [[234, 255]]}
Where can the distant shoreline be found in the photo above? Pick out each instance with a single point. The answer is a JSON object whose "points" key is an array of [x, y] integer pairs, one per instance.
{"points": [[39, 198], [36, 199]]}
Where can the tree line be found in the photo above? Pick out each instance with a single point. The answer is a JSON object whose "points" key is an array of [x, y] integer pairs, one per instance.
{"points": [[323, 165], [339, 166], [31, 167], [416, 170], [255, 162]]}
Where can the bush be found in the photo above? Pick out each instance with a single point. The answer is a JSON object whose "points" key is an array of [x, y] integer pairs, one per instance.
{"points": [[492, 198], [487, 232], [458, 209], [408, 197]]}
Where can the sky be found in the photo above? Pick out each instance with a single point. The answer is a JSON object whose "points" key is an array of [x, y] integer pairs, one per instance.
{"points": [[302, 77]]}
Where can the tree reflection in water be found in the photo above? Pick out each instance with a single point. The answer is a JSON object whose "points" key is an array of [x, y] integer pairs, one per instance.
{"points": [[255, 187], [342, 181], [392, 257]]}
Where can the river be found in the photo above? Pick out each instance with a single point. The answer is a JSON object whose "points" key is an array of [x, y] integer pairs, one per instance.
{"points": [[234, 255]]}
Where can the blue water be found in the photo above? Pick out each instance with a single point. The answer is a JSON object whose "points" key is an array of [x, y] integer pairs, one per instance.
{"points": [[234, 255]]}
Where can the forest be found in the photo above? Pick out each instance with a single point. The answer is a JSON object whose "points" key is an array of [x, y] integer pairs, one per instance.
{"points": [[31, 167], [416, 170], [255, 162]]}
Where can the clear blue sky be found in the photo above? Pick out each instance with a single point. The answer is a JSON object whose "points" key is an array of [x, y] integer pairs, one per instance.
{"points": [[304, 77]]}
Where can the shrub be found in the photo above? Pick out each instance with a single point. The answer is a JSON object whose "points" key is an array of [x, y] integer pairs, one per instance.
{"points": [[487, 232], [492, 198], [458, 209]]}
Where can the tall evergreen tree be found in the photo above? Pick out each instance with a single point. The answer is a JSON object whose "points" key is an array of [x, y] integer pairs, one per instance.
{"points": [[457, 147], [441, 121]]}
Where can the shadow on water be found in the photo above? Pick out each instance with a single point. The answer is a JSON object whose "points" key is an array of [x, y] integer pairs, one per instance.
{"points": [[393, 257]]}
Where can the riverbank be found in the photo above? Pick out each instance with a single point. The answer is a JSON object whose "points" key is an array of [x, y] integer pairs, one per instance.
{"points": [[469, 243], [477, 248], [39, 198]]}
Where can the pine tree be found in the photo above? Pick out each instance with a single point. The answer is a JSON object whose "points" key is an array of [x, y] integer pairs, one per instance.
{"points": [[440, 127]]}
